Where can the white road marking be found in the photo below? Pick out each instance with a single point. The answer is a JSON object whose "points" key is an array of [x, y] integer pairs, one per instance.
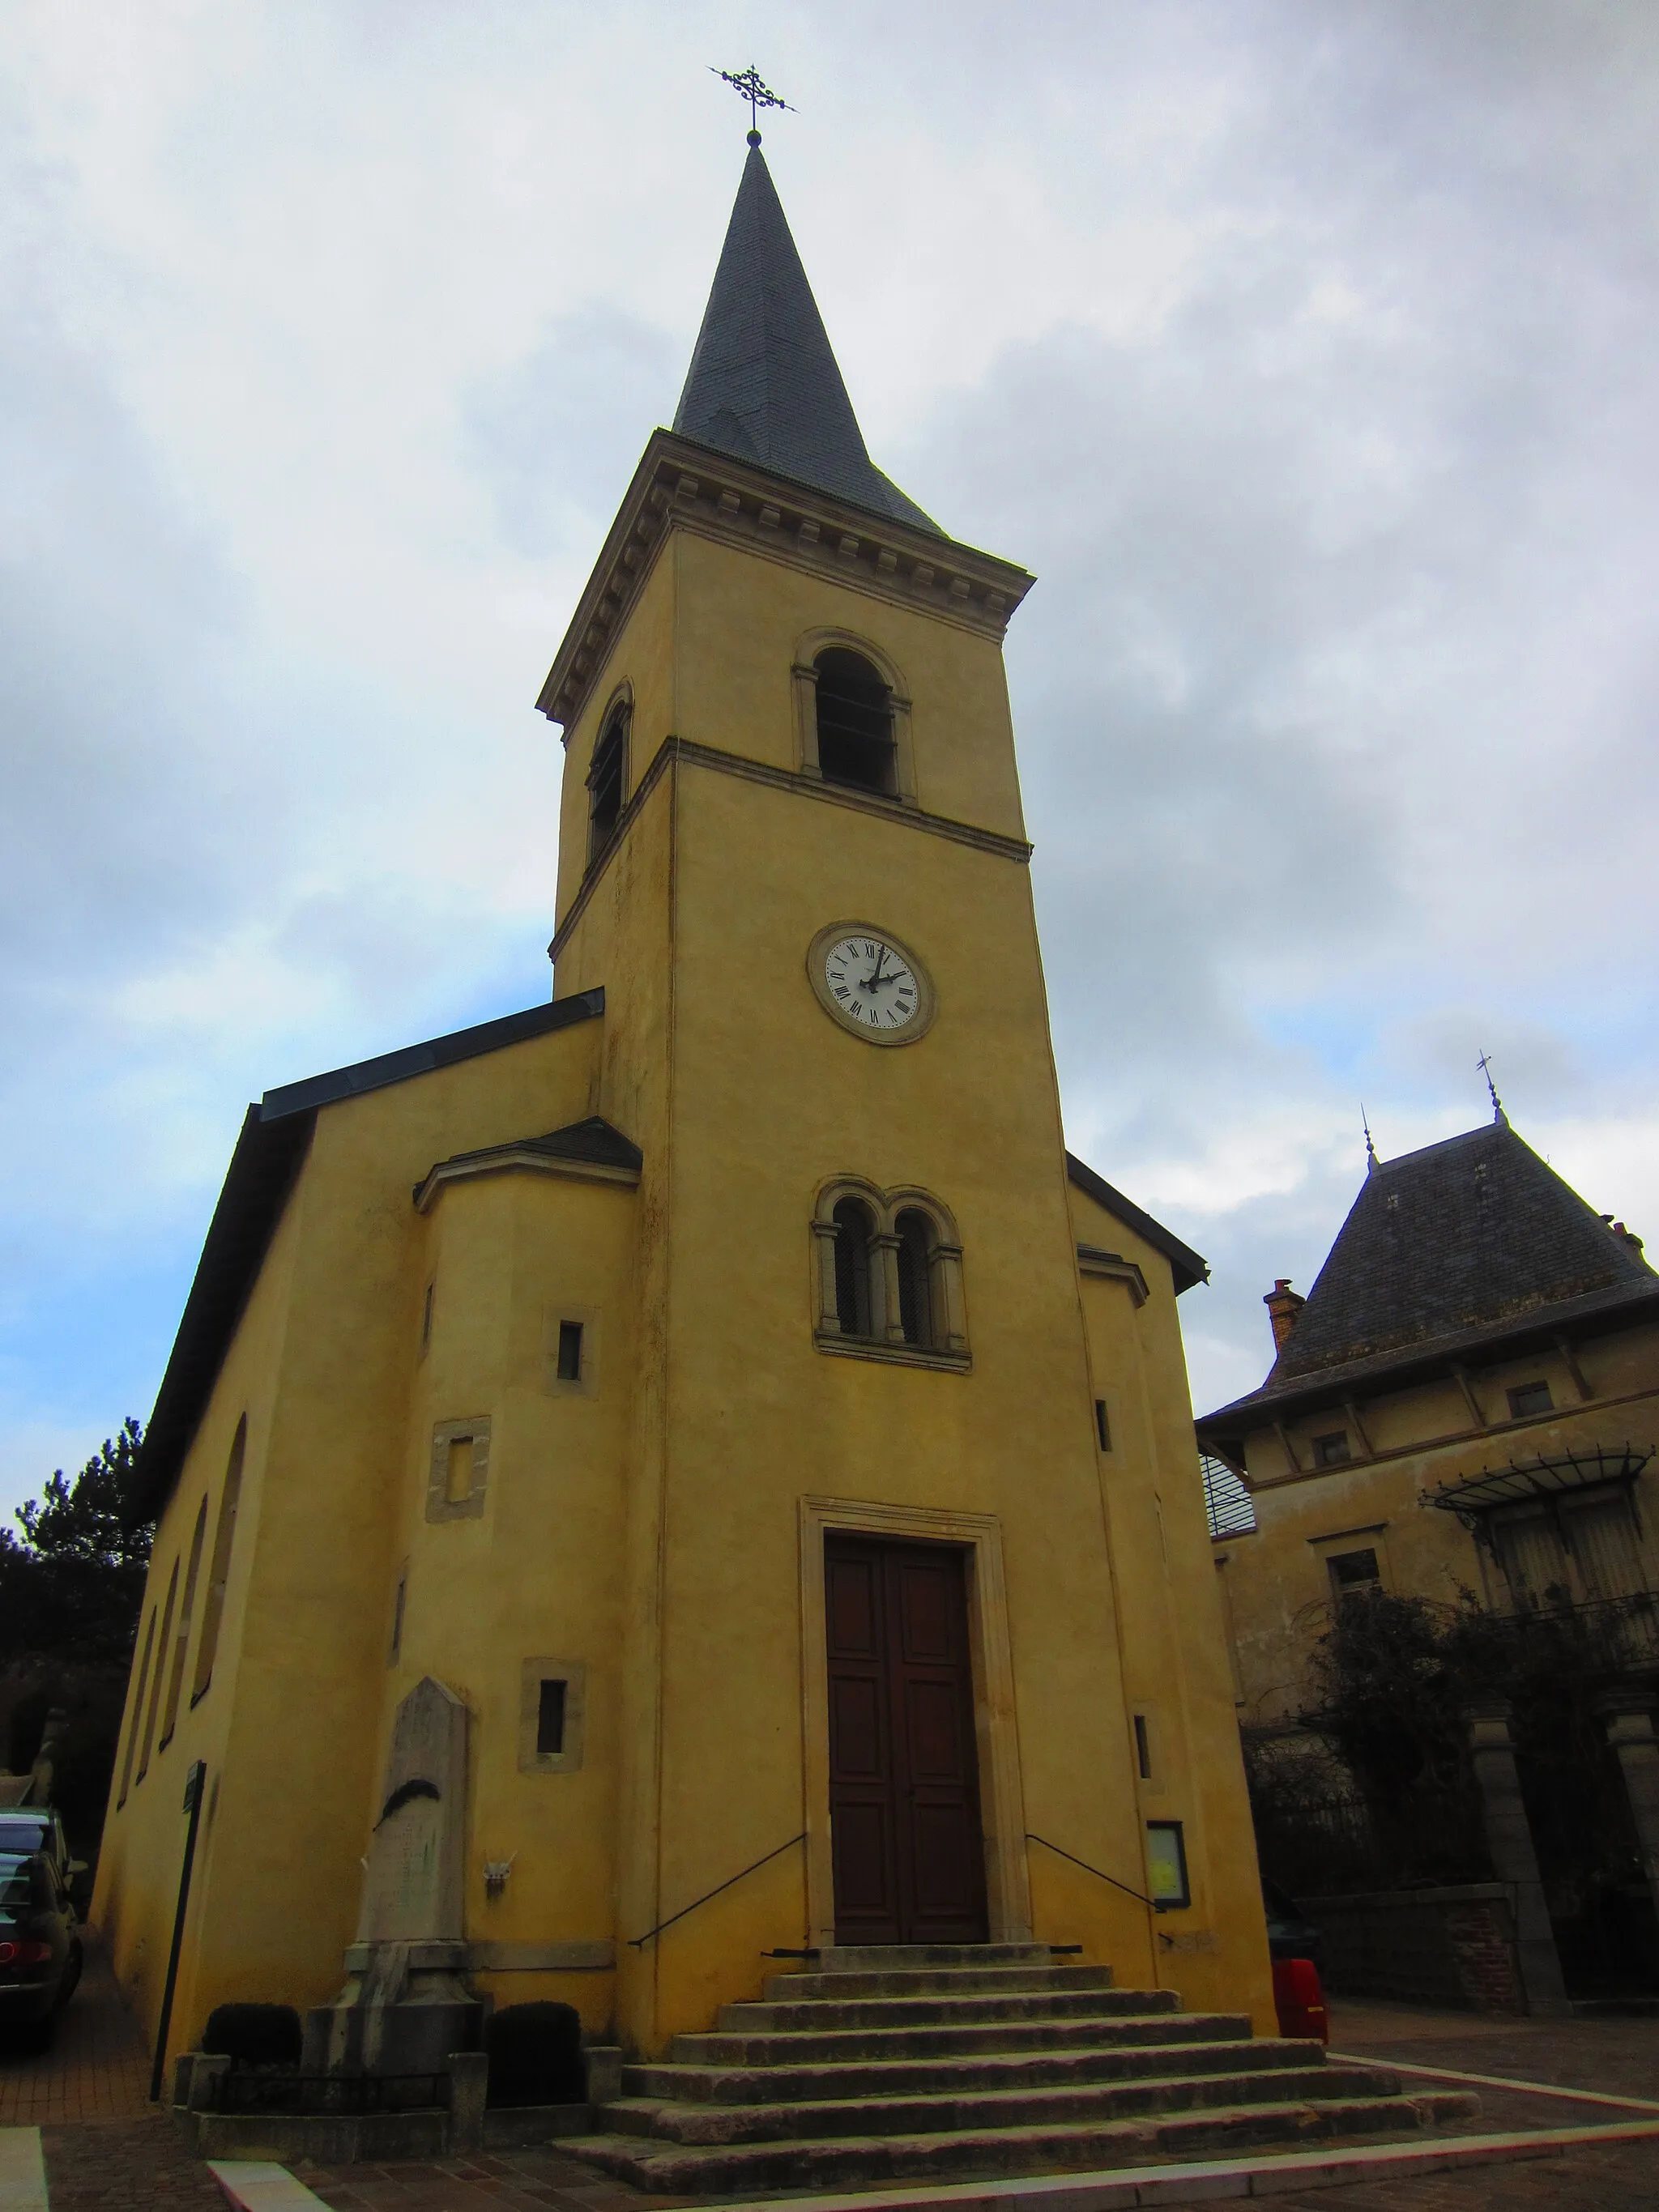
{"points": [[22, 2171]]}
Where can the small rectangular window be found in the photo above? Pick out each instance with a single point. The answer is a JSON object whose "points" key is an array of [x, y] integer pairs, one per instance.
{"points": [[426, 1317], [397, 1616], [570, 1352], [1166, 1865], [458, 1478], [1103, 1426], [550, 1720], [1143, 1748], [1333, 1449], [1352, 1571], [1530, 1398]]}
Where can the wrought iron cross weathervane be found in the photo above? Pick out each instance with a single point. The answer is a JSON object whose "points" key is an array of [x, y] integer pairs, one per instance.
{"points": [[749, 86], [1485, 1065]]}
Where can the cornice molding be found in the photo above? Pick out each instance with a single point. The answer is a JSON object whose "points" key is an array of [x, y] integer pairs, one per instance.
{"points": [[682, 485], [687, 751], [1113, 1268], [518, 1160]]}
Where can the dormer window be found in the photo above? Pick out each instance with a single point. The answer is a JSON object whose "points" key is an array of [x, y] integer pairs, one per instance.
{"points": [[607, 781], [855, 722]]}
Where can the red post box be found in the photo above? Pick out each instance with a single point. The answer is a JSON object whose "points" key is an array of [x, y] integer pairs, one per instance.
{"points": [[1299, 1999]]}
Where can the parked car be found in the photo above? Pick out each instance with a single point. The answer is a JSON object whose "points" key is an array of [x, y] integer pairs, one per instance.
{"points": [[38, 1828], [1291, 1934], [39, 1943]]}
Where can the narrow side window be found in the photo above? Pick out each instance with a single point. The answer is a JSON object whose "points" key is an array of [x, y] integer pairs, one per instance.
{"points": [[213, 1612], [155, 1678], [181, 1641], [137, 1720]]}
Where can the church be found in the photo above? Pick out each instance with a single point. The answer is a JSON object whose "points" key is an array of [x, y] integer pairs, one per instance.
{"points": [[696, 1470]]}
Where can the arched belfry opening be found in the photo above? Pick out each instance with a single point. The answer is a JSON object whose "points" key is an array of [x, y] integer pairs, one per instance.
{"points": [[855, 722]]}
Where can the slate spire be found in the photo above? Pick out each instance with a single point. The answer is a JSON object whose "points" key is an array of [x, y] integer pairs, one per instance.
{"points": [[763, 383]]}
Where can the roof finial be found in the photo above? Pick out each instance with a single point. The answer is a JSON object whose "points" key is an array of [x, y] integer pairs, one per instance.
{"points": [[1497, 1114], [749, 86], [1373, 1164]]}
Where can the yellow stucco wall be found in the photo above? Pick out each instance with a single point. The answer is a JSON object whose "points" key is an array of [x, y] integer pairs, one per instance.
{"points": [[652, 1529], [1277, 1581]]}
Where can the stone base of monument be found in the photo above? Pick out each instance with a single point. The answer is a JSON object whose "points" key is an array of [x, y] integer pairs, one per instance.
{"points": [[405, 2006], [458, 2121]]}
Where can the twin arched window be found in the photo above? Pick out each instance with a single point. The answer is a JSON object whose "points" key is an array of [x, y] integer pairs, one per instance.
{"points": [[888, 1275]]}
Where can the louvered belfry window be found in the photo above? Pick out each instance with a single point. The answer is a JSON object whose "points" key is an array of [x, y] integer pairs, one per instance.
{"points": [[606, 782], [855, 722]]}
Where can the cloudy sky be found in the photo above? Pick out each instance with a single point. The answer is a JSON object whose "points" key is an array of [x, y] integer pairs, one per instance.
{"points": [[1309, 353]]}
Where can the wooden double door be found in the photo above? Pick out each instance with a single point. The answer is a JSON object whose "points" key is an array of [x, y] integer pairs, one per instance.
{"points": [[907, 1839]]}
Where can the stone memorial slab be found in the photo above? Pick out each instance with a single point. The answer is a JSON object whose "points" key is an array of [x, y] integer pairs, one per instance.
{"points": [[406, 2004]]}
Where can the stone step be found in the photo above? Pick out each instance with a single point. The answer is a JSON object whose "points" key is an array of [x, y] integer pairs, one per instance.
{"points": [[876, 1958], [749, 2016], [821, 2163], [904, 2075], [953, 2038], [974, 2112], [926, 1981]]}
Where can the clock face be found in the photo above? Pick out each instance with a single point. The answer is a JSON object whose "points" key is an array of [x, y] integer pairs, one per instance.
{"points": [[871, 983]]}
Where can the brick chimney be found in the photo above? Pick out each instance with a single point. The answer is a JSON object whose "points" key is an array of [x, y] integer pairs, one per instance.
{"points": [[1283, 1304]]}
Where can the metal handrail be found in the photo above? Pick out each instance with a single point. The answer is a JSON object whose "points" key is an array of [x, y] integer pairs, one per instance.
{"points": [[1087, 1869], [638, 1943]]}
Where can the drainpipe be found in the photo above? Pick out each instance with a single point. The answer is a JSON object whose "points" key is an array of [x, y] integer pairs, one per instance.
{"points": [[193, 1792]]}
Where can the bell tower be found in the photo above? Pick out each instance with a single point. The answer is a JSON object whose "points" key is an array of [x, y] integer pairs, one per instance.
{"points": [[792, 853]]}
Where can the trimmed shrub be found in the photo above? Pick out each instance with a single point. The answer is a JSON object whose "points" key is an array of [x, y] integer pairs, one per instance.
{"points": [[535, 2055]]}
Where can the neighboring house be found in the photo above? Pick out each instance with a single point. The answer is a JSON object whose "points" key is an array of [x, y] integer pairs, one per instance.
{"points": [[1467, 1400]]}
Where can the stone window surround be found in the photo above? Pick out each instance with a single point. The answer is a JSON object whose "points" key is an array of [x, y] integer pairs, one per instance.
{"points": [[886, 1340], [804, 679], [439, 1506], [532, 1673]]}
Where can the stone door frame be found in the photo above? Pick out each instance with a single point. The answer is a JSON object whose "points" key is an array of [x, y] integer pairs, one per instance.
{"points": [[1002, 1797]]}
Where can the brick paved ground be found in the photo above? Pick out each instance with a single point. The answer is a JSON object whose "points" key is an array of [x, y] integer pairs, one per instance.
{"points": [[516, 2181], [107, 2150], [97, 2068], [125, 2165]]}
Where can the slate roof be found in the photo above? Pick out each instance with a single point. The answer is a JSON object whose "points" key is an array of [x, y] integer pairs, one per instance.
{"points": [[593, 1141], [763, 382], [1446, 1251], [271, 1149]]}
